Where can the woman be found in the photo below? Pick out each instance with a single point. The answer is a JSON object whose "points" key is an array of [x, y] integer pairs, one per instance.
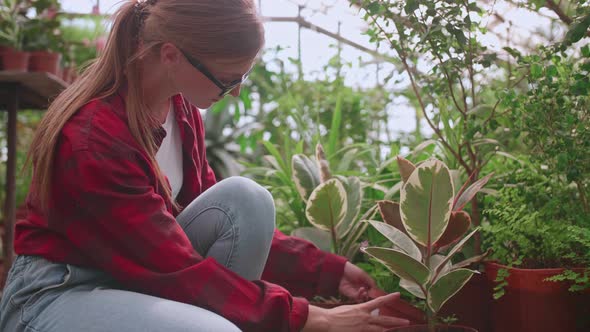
{"points": [[127, 229]]}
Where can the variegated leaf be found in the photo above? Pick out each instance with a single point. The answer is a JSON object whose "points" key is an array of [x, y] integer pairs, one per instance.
{"points": [[327, 205], [456, 249], [390, 214], [472, 260], [354, 197], [458, 225], [405, 168], [426, 202], [399, 239], [400, 263], [323, 164], [447, 286], [433, 265], [412, 287], [306, 175], [470, 192], [320, 238]]}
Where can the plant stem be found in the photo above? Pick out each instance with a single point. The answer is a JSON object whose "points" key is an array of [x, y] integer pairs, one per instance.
{"points": [[431, 319], [583, 196]]}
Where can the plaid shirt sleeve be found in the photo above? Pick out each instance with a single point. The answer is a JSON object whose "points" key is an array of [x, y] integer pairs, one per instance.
{"points": [[302, 268], [111, 214]]}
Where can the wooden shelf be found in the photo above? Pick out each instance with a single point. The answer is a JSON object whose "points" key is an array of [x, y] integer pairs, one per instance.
{"points": [[18, 91], [35, 90]]}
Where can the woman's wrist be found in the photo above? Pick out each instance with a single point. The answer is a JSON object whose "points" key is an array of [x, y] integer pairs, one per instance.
{"points": [[317, 320]]}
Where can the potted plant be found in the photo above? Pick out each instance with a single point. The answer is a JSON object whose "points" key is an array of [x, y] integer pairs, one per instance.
{"points": [[13, 19], [541, 245], [538, 225], [43, 38], [332, 205], [428, 221]]}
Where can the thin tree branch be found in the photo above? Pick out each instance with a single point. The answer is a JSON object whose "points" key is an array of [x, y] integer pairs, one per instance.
{"points": [[560, 13]]}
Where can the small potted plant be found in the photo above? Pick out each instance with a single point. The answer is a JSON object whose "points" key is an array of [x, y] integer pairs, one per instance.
{"points": [[332, 205], [12, 22], [43, 38], [428, 222]]}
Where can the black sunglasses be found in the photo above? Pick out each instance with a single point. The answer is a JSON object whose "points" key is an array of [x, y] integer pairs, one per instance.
{"points": [[225, 88]]}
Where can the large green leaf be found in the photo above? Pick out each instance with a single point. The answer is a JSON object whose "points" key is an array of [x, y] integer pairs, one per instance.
{"points": [[327, 205], [426, 202], [314, 235], [401, 264], [354, 197], [398, 238], [447, 286], [306, 175]]}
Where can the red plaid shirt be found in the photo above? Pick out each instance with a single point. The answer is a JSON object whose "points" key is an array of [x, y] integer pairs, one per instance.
{"points": [[107, 212]]}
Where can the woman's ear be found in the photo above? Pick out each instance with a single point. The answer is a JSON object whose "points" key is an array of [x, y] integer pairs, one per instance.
{"points": [[170, 55]]}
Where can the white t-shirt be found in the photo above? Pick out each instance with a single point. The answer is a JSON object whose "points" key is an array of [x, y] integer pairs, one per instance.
{"points": [[169, 155]]}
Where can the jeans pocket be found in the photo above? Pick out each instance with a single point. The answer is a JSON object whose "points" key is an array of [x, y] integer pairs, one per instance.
{"points": [[44, 283]]}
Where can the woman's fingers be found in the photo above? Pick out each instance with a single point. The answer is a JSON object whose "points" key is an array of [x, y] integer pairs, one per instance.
{"points": [[380, 301], [388, 321]]}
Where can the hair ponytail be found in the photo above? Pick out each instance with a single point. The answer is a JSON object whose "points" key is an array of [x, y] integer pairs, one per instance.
{"points": [[229, 29]]}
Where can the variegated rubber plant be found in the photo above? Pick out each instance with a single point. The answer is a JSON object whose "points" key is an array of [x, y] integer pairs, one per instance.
{"points": [[333, 204], [426, 222]]}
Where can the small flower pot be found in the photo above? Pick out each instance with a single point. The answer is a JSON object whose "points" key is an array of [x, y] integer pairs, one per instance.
{"points": [[533, 304], [13, 60], [440, 328], [43, 61], [3, 49]]}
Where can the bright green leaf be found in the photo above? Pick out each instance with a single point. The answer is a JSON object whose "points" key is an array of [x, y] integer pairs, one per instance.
{"points": [[327, 204], [320, 238], [426, 202], [447, 286], [401, 264], [354, 197], [306, 175], [398, 238]]}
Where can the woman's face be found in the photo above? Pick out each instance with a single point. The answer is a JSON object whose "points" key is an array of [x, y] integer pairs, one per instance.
{"points": [[201, 90]]}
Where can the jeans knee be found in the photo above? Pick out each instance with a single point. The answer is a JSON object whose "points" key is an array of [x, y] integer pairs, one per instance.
{"points": [[254, 201]]}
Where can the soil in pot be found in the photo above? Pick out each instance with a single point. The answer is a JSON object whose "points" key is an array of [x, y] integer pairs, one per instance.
{"points": [[440, 328]]}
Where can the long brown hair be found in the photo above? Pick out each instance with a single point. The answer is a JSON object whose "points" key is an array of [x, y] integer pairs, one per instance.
{"points": [[207, 29]]}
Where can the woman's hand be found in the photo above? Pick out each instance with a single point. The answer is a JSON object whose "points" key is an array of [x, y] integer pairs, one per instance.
{"points": [[353, 318], [356, 284]]}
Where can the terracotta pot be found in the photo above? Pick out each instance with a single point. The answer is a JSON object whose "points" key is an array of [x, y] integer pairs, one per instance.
{"points": [[2, 50], [15, 60], [43, 61], [440, 328], [533, 304], [471, 305]]}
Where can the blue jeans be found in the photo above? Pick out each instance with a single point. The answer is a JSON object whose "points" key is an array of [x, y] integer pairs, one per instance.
{"points": [[233, 222]]}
